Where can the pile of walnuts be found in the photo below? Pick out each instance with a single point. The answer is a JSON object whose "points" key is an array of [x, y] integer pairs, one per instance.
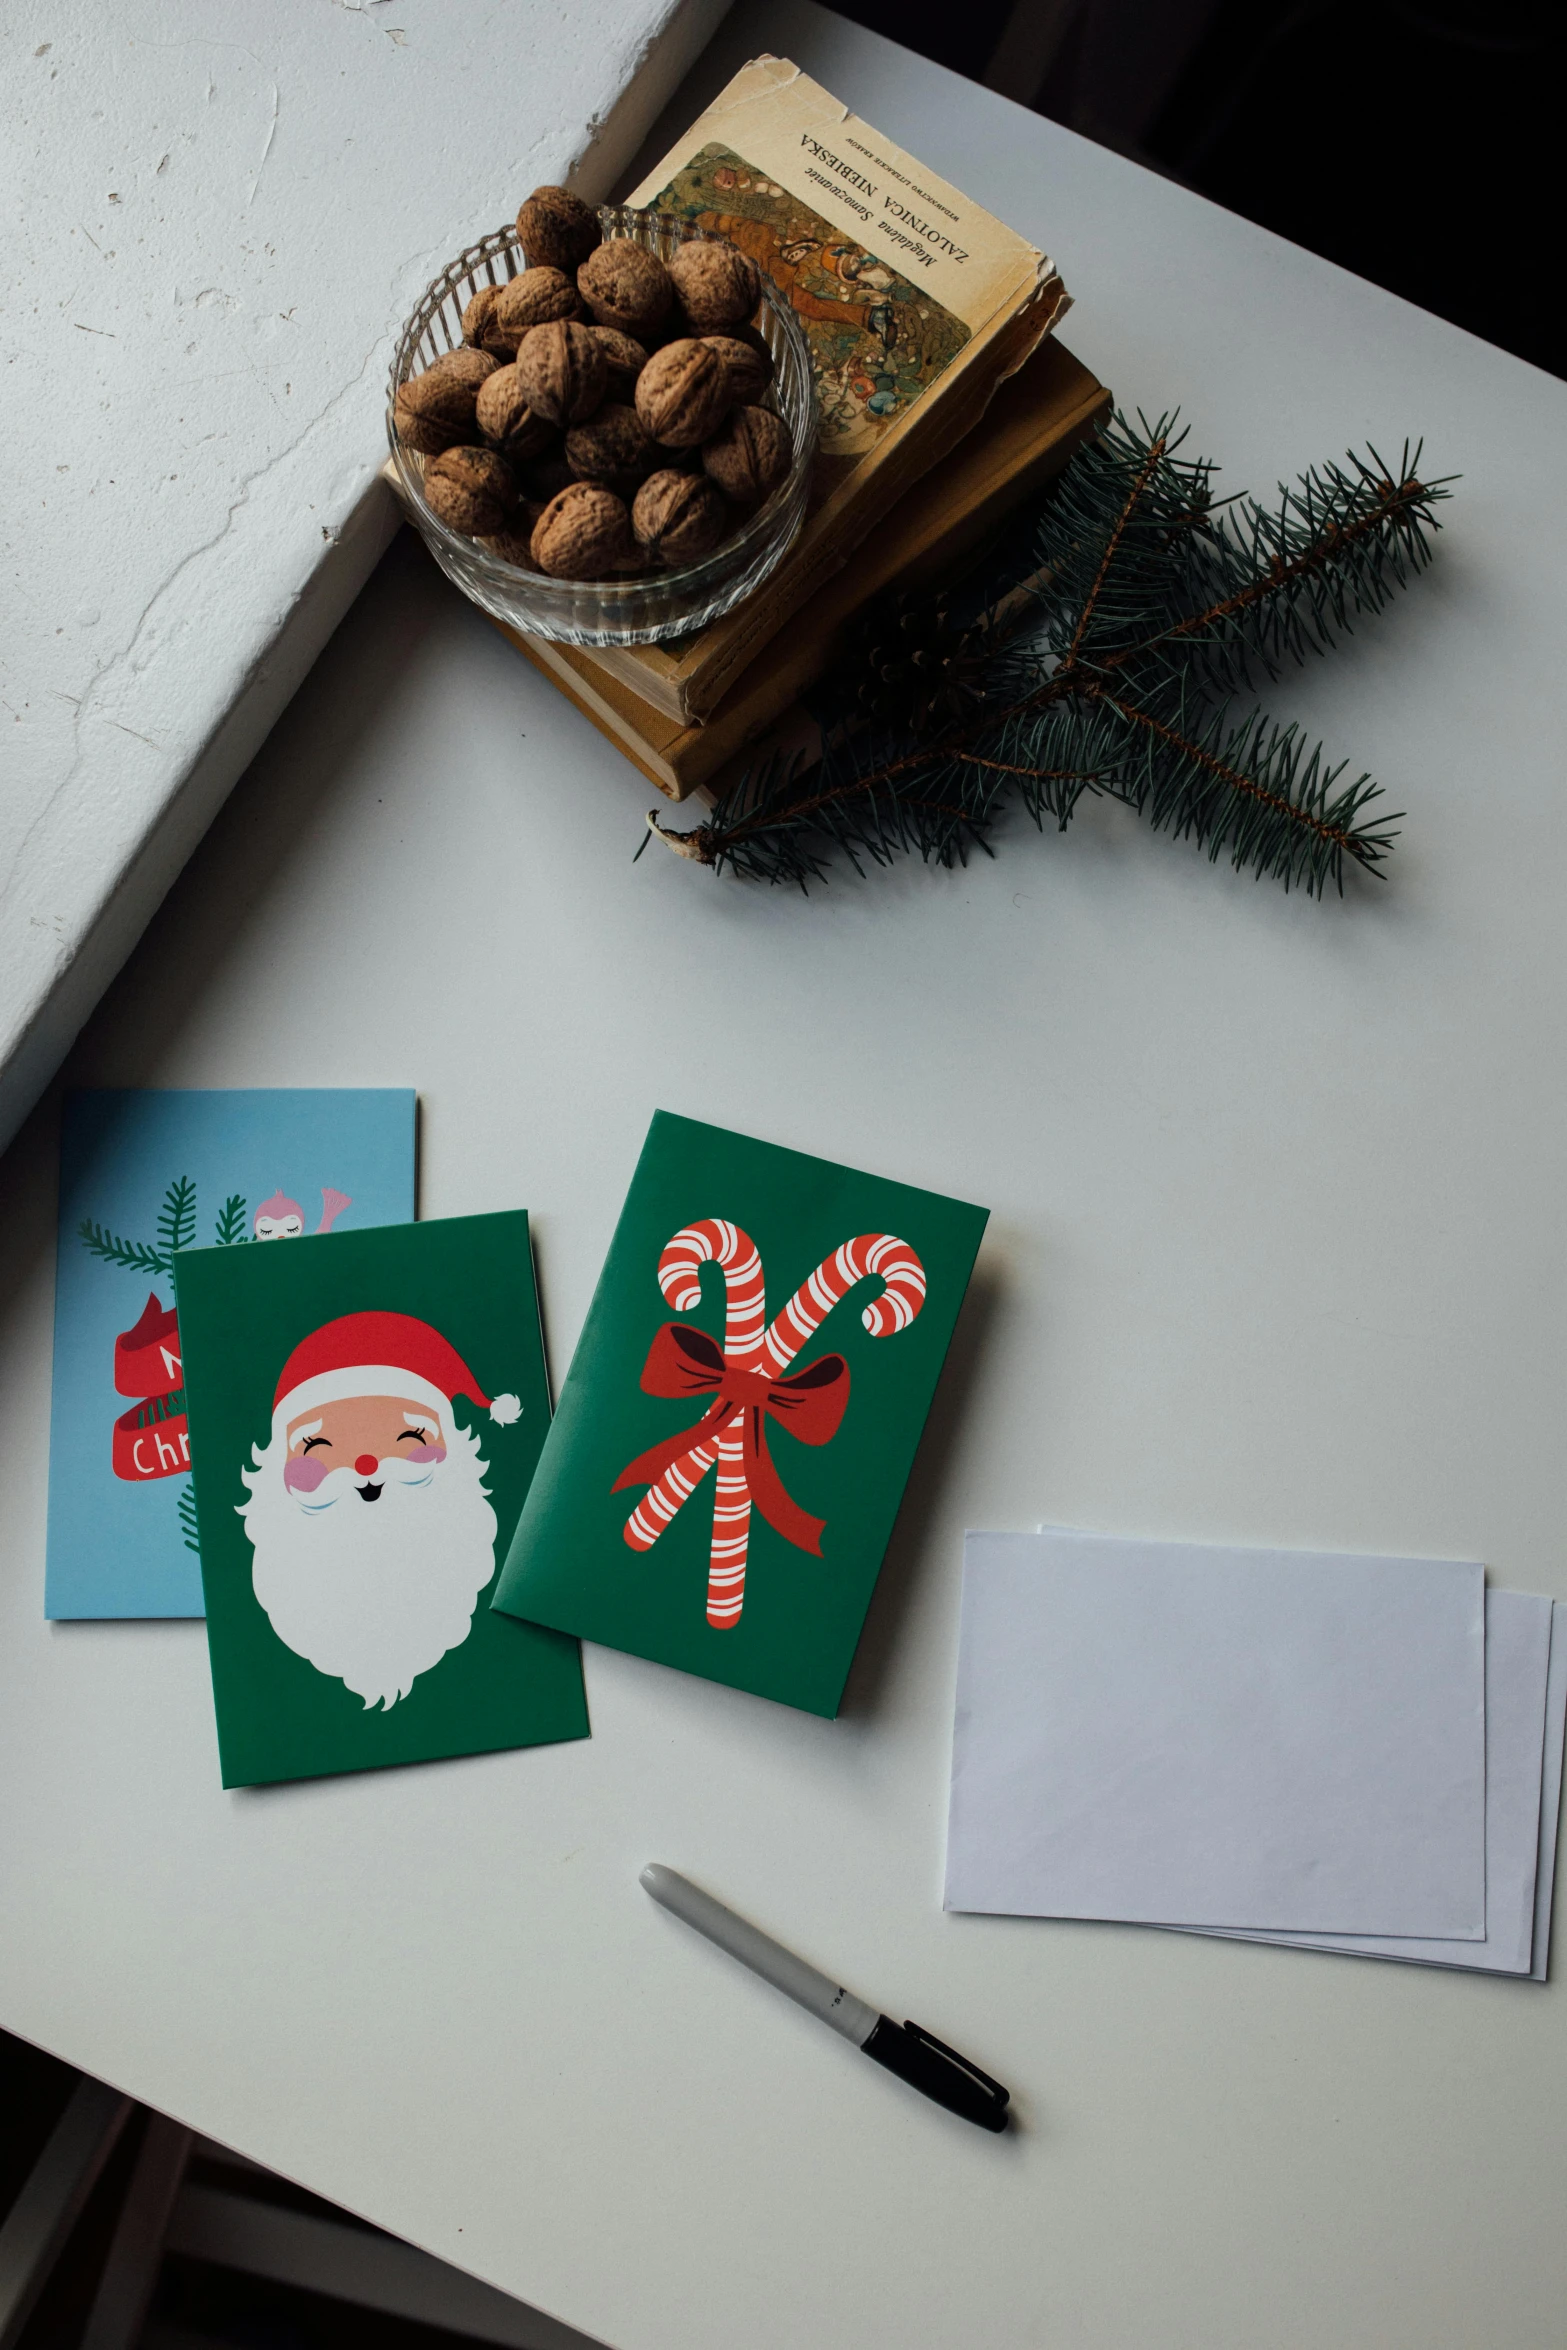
{"points": [[603, 416]]}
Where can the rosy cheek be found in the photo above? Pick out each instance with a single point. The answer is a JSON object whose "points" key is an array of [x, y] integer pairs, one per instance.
{"points": [[304, 1474], [426, 1452]]}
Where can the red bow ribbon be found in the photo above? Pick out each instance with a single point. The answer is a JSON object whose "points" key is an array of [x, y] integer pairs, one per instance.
{"points": [[683, 1361]]}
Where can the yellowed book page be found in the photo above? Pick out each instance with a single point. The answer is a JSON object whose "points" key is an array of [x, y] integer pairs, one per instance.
{"points": [[891, 270]]}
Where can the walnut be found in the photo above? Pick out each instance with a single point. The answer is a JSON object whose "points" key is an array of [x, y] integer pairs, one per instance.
{"points": [[545, 477], [625, 358], [635, 563], [435, 410], [507, 422], [473, 491], [532, 299], [612, 447], [626, 286], [585, 533], [678, 516], [718, 286], [478, 323], [562, 370], [557, 228], [750, 457], [683, 393], [516, 546], [749, 367]]}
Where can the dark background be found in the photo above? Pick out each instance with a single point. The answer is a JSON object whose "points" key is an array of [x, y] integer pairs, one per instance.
{"points": [[1408, 140]]}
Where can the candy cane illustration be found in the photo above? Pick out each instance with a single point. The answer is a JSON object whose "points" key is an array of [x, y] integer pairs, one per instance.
{"points": [[685, 1362], [834, 1277], [711, 1242]]}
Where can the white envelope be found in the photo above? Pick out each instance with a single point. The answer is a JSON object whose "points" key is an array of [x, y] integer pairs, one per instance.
{"points": [[1517, 1657], [1551, 1801], [1179, 1734]]}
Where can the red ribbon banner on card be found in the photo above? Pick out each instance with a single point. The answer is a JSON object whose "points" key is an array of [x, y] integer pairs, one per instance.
{"points": [[152, 1439]]}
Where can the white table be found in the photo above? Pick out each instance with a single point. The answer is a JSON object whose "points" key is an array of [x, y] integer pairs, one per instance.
{"points": [[1278, 1254]]}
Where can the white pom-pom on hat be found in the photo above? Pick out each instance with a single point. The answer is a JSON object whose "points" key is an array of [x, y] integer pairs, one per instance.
{"points": [[505, 1409]]}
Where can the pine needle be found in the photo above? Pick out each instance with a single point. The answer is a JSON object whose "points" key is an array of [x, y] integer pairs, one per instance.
{"points": [[1148, 608]]}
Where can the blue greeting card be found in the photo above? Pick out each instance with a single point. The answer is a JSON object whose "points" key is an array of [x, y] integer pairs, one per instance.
{"points": [[142, 1175]]}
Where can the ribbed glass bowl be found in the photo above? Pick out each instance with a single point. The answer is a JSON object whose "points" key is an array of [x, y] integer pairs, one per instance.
{"points": [[655, 605]]}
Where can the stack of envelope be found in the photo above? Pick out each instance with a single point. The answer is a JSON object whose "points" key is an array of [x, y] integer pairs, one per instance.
{"points": [[1345, 1753]]}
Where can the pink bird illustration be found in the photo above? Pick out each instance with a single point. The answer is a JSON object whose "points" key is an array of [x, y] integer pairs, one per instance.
{"points": [[282, 1218]]}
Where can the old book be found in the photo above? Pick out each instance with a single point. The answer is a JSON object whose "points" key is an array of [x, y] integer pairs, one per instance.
{"points": [[916, 304], [1038, 418]]}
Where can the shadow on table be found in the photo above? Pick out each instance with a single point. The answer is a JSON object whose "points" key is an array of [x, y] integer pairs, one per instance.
{"points": [[945, 1431]]}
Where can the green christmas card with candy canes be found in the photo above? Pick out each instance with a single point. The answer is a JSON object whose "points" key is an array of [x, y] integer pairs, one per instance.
{"points": [[742, 1412], [365, 1414]]}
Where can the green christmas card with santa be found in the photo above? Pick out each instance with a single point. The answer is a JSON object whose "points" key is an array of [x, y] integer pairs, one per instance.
{"points": [[366, 1414], [742, 1413]]}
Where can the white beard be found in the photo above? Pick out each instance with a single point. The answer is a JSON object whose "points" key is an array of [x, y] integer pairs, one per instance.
{"points": [[374, 1593]]}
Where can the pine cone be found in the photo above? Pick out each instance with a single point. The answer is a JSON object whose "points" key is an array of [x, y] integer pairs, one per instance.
{"points": [[916, 667]]}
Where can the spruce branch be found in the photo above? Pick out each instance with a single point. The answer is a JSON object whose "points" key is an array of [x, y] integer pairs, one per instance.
{"points": [[134, 1255], [187, 1509], [1145, 607]]}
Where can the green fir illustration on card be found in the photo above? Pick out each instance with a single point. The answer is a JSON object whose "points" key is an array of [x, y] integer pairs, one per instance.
{"points": [[742, 1412], [366, 1413]]}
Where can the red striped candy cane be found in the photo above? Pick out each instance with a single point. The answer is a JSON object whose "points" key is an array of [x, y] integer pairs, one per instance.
{"points": [[712, 1242], [777, 1346], [731, 1529], [834, 1277], [771, 1347]]}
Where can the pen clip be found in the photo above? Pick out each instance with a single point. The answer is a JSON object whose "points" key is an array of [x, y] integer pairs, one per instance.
{"points": [[965, 2064]]}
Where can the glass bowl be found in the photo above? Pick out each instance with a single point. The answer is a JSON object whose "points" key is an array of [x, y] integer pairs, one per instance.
{"points": [[654, 605]]}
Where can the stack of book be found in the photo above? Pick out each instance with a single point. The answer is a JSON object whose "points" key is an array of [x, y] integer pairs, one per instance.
{"points": [[681, 714], [943, 401]]}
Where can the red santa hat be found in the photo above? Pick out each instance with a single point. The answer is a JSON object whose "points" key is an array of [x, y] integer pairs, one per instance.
{"points": [[380, 1354]]}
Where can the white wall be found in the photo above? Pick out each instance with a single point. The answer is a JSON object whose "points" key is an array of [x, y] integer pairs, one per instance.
{"points": [[217, 219]]}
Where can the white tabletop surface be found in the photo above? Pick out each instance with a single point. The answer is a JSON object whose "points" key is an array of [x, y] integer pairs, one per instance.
{"points": [[220, 218], [1278, 1255]]}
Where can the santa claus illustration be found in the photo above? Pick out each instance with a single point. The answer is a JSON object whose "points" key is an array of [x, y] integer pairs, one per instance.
{"points": [[368, 1512]]}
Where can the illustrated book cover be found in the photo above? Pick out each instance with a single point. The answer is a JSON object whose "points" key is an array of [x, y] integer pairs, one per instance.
{"points": [[143, 1174], [366, 1412], [916, 304], [742, 1413]]}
